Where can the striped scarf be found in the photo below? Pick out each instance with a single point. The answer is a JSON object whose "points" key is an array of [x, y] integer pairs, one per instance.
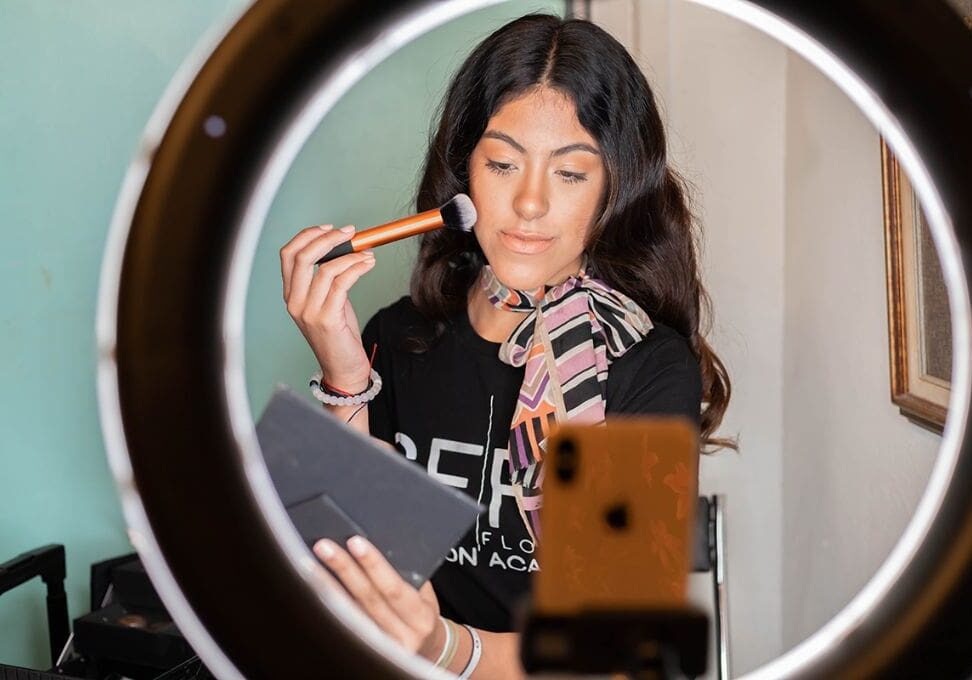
{"points": [[570, 335]]}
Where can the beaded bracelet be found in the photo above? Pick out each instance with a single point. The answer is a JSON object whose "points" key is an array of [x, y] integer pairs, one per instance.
{"points": [[323, 395]]}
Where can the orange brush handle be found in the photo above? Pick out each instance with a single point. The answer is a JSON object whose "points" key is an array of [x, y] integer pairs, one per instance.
{"points": [[386, 233], [399, 229]]}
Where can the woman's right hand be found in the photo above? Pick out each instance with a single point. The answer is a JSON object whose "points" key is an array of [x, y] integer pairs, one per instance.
{"points": [[318, 302]]}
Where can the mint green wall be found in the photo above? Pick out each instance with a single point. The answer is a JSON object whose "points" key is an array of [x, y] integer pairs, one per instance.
{"points": [[78, 81]]}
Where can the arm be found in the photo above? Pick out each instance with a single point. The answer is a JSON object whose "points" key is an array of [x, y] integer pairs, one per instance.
{"points": [[411, 616], [317, 300], [376, 417], [358, 416], [355, 416]]}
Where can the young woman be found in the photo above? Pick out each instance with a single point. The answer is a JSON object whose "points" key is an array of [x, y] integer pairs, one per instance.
{"points": [[576, 296]]}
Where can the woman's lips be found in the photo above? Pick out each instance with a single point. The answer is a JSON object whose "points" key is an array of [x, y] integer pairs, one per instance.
{"points": [[525, 244]]}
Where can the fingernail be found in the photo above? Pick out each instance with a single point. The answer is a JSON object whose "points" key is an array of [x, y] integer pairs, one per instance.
{"points": [[325, 549], [326, 227], [348, 229], [357, 545], [369, 255]]}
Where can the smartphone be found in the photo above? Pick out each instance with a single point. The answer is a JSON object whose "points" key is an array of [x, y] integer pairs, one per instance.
{"points": [[618, 512]]}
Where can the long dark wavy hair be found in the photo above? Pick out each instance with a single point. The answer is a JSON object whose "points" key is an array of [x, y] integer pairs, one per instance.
{"points": [[643, 242]]}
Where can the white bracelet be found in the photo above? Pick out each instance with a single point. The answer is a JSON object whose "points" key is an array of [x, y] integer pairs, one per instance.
{"points": [[448, 642], [318, 391], [477, 652]]}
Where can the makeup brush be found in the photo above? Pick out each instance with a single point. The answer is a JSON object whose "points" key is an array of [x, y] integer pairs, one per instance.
{"points": [[459, 214]]}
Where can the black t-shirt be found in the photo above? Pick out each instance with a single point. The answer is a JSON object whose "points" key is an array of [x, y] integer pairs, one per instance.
{"points": [[449, 410]]}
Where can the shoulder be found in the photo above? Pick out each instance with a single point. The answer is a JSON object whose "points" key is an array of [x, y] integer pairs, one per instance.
{"points": [[663, 347], [660, 373]]}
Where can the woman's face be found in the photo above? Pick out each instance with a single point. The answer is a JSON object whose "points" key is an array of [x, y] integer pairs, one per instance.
{"points": [[536, 177]]}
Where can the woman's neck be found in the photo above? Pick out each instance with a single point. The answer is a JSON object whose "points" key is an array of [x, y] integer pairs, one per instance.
{"points": [[489, 322]]}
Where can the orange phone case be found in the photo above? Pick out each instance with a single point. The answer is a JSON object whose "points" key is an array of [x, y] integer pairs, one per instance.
{"points": [[618, 511]]}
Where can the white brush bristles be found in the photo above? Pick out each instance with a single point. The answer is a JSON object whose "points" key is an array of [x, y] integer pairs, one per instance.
{"points": [[459, 213]]}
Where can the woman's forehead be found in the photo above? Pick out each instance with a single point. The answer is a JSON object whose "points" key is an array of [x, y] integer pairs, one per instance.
{"points": [[541, 121]]}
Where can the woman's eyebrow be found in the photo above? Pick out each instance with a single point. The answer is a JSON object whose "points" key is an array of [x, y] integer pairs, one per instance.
{"points": [[580, 146]]}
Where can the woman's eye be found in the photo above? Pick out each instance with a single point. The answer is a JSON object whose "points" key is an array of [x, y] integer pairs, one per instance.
{"points": [[573, 177], [507, 168], [500, 168]]}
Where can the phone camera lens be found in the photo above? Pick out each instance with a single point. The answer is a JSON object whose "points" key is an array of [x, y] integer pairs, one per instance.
{"points": [[617, 516], [567, 455]]}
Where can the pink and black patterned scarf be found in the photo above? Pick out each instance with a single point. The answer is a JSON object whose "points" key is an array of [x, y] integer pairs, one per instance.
{"points": [[570, 335]]}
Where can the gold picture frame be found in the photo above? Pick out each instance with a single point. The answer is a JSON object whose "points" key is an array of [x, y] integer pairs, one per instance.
{"points": [[919, 320], [919, 323]]}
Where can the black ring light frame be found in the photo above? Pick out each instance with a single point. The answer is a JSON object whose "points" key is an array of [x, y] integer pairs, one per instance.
{"points": [[201, 511]]}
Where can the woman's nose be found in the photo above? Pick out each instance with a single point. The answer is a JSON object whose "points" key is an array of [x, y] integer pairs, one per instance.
{"points": [[531, 200]]}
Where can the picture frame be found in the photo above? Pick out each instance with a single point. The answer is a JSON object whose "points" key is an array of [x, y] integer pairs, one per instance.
{"points": [[919, 319], [919, 322]]}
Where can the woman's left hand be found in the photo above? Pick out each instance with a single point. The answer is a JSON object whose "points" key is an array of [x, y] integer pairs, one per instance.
{"points": [[408, 615]]}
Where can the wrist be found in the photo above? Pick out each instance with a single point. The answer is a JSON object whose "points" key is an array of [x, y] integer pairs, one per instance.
{"points": [[334, 396], [435, 645], [462, 649], [475, 653], [351, 385]]}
